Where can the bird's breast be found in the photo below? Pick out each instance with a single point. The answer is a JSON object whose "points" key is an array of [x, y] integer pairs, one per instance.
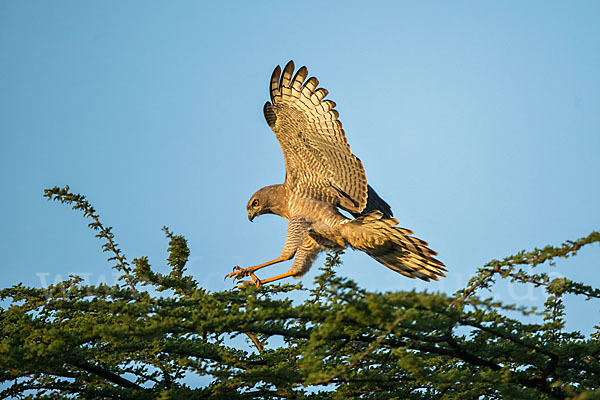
{"points": [[324, 219]]}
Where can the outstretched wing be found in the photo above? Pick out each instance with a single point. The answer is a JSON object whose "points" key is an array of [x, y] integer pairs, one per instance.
{"points": [[318, 160]]}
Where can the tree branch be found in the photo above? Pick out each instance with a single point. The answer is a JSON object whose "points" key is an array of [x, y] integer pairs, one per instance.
{"points": [[108, 375]]}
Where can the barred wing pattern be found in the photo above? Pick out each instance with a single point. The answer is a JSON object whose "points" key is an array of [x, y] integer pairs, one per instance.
{"points": [[318, 160]]}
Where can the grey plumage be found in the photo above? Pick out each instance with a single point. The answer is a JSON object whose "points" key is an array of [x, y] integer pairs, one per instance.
{"points": [[374, 202], [323, 176]]}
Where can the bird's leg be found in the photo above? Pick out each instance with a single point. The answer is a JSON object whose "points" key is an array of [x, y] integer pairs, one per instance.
{"points": [[296, 233], [239, 273], [257, 282]]}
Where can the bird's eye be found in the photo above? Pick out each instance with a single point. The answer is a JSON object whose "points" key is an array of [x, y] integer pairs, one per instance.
{"points": [[255, 203]]}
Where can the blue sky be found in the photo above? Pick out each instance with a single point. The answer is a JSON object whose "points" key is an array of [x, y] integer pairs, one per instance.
{"points": [[478, 122]]}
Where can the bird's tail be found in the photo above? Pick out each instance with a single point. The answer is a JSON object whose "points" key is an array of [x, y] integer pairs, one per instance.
{"points": [[393, 246]]}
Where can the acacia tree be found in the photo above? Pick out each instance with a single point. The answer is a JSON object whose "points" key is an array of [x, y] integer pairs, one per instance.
{"points": [[72, 340]]}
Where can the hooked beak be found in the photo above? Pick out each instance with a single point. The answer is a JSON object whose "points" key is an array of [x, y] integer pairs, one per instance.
{"points": [[251, 216]]}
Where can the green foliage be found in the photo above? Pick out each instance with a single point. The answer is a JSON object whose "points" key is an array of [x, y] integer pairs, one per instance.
{"points": [[72, 340]]}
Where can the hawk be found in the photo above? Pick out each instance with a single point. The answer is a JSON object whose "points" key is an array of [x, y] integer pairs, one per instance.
{"points": [[322, 176]]}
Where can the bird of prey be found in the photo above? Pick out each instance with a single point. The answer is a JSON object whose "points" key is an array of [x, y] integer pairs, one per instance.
{"points": [[322, 176]]}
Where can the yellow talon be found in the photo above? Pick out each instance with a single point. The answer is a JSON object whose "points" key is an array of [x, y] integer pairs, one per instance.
{"points": [[255, 281], [239, 273]]}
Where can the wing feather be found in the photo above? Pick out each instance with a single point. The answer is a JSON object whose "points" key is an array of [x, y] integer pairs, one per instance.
{"points": [[275, 78], [374, 202], [298, 80], [319, 162], [311, 84], [286, 77], [320, 94]]}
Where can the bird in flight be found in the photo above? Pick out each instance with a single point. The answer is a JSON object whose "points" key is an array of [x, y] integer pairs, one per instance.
{"points": [[322, 176]]}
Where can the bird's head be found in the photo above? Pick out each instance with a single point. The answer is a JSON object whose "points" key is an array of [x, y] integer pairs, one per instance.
{"points": [[264, 201]]}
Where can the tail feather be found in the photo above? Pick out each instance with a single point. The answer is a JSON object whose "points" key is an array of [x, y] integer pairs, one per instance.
{"points": [[393, 246]]}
